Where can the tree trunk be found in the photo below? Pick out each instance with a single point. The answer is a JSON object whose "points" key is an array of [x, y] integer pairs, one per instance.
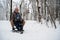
{"points": [[10, 9]]}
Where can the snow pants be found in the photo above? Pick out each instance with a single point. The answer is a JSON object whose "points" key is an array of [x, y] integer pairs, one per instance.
{"points": [[18, 26]]}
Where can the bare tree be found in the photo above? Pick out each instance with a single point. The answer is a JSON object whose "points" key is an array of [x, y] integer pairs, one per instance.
{"points": [[38, 9], [10, 9]]}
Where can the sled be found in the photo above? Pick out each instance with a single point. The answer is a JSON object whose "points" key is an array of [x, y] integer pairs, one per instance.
{"points": [[16, 31]]}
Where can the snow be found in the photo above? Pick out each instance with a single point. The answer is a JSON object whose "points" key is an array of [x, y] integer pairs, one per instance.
{"points": [[33, 31], [16, 0]]}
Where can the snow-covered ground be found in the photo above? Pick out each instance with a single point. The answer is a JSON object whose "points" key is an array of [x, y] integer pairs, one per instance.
{"points": [[33, 31]]}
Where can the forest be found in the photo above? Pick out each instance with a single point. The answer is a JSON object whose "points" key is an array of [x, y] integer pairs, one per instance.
{"points": [[49, 10]]}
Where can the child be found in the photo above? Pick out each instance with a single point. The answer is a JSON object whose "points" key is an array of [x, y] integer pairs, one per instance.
{"points": [[16, 20]]}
